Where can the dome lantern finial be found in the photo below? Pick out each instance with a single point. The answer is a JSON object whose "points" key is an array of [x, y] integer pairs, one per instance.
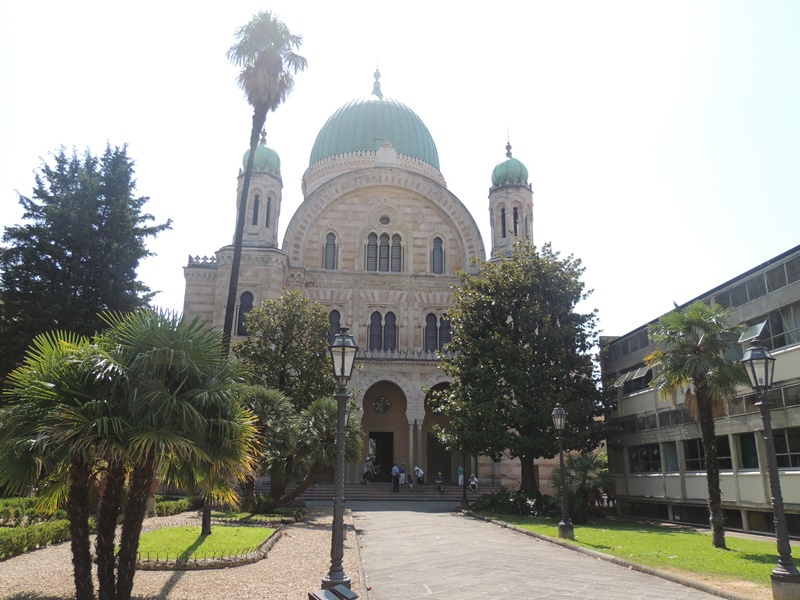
{"points": [[508, 149], [376, 87], [264, 136]]}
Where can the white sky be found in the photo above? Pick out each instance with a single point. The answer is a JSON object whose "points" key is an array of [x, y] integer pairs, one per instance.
{"points": [[662, 139]]}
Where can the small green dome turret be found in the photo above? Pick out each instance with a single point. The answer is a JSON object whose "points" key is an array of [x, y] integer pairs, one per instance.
{"points": [[509, 170], [266, 159]]}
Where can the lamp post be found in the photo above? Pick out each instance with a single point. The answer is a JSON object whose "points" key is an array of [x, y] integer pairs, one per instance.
{"points": [[760, 367], [565, 529], [343, 354]]}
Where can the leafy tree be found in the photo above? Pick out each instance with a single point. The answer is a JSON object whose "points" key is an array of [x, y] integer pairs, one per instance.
{"points": [[287, 348], [694, 343], [151, 390], [585, 475], [77, 253], [518, 348], [264, 52]]}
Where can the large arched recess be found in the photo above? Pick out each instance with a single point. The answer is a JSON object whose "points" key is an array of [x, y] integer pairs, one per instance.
{"points": [[437, 458], [385, 427]]}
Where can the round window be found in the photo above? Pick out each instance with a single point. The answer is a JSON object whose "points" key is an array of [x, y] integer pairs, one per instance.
{"points": [[384, 220], [382, 405]]}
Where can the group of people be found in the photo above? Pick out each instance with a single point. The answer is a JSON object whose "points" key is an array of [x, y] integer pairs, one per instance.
{"points": [[401, 477]]}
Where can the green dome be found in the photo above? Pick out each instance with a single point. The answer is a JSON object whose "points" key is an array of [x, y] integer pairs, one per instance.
{"points": [[366, 123], [510, 169], [266, 159]]}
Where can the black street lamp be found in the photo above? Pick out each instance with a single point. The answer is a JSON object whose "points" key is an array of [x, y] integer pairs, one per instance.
{"points": [[343, 355], [565, 529], [760, 367]]}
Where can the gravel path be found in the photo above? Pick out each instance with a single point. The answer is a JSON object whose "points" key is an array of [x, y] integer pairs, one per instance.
{"points": [[294, 567]]}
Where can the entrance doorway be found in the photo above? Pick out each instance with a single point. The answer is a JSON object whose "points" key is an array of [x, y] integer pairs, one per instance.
{"points": [[381, 447], [439, 461]]}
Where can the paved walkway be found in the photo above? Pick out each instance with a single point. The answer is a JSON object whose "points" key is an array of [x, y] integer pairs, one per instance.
{"points": [[424, 550]]}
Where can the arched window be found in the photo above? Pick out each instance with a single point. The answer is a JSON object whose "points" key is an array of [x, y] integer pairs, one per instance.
{"points": [[269, 210], [438, 256], [375, 332], [503, 221], [372, 252], [334, 320], [330, 251], [396, 254], [390, 332], [444, 331], [431, 333], [255, 210], [383, 257], [527, 229], [245, 306], [516, 221]]}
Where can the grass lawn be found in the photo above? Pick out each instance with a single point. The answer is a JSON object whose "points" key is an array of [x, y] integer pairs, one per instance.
{"points": [[186, 541], [669, 548]]}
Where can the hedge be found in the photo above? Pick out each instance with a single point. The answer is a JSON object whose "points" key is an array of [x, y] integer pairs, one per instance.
{"points": [[16, 540], [23, 511], [167, 508]]}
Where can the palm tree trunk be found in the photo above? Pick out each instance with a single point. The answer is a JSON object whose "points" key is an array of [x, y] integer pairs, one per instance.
{"points": [[141, 481], [707, 428], [277, 487], [528, 481], [249, 490], [78, 512], [107, 515], [302, 487], [259, 118], [205, 528]]}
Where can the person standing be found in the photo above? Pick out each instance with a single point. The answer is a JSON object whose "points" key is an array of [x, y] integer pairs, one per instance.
{"points": [[473, 482], [395, 478], [420, 476], [439, 483], [369, 471], [402, 473], [460, 475]]}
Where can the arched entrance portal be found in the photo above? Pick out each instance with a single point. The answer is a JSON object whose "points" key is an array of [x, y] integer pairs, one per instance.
{"points": [[386, 427], [438, 458]]}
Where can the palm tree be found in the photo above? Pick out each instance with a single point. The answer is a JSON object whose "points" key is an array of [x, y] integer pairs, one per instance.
{"points": [[265, 53], [150, 390], [693, 344]]}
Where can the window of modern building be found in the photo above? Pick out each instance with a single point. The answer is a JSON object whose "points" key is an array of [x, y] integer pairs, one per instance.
{"points": [[334, 321], [777, 329], [437, 259], [245, 306], [696, 458], [383, 253], [791, 396], [793, 270], [269, 211], [756, 287], [671, 463], [776, 278], [787, 447], [330, 251], [372, 252], [748, 452], [645, 458], [616, 460], [256, 202], [503, 221], [397, 254]]}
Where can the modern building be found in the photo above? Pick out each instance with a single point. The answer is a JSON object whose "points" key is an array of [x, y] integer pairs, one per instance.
{"points": [[376, 241], [657, 454]]}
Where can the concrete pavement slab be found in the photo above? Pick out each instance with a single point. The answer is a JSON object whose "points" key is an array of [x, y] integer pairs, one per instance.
{"points": [[426, 550]]}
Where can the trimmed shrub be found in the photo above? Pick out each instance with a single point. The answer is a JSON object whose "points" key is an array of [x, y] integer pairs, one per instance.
{"points": [[16, 540], [516, 503], [23, 511]]}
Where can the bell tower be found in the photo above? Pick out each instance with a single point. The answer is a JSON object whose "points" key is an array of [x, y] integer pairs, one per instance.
{"points": [[510, 205], [264, 203]]}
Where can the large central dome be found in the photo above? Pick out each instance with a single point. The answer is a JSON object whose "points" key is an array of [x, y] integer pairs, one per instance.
{"points": [[366, 123]]}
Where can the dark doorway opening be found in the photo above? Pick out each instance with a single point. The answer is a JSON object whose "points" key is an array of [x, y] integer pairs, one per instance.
{"points": [[382, 444], [439, 461]]}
